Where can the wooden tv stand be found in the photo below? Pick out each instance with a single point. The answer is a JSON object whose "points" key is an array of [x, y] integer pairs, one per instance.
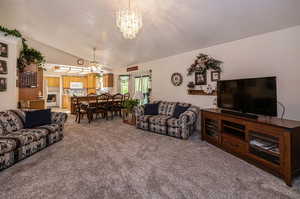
{"points": [[267, 142]]}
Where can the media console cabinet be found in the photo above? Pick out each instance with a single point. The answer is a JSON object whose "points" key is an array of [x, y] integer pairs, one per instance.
{"points": [[267, 142]]}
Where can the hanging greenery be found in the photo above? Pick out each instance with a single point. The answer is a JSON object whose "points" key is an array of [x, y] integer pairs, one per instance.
{"points": [[27, 55], [204, 63]]}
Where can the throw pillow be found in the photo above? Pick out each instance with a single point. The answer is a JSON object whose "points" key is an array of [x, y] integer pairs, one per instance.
{"points": [[151, 109], [179, 110], [37, 118]]}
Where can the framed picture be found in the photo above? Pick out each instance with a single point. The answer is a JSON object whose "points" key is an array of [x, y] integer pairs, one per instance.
{"points": [[3, 85], [3, 67], [215, 76], [3, 50], [200, 78]]}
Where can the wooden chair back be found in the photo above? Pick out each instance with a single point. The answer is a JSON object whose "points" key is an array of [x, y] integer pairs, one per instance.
{"points": [[126, 96]]}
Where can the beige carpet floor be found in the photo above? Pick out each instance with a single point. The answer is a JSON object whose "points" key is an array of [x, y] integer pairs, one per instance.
{"points": [[109, 159]]}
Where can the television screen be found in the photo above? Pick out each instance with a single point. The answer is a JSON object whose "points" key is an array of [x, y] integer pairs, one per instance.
{"points": [[257, 95]]}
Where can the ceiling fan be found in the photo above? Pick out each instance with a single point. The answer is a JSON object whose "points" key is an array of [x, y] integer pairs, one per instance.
{"points": [[95, 66]]}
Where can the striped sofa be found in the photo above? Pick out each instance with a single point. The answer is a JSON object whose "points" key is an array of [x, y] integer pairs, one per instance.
{"points": [[164, 123], [17, 143]]}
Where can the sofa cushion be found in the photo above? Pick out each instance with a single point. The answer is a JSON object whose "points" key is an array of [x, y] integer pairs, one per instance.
{"points": [[166, 108], [151, 109], [27, 136], [173, 122], [179, 110], [37, 118], [159, 119], [11, 121], [7, 145], [2, 131], [144, 118], [51, 128]]}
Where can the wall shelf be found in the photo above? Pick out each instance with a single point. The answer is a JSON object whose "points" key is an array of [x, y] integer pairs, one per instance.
{"points": [[201, 92]]}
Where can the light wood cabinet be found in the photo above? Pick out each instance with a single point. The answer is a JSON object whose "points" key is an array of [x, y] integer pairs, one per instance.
{"points": [[108, 80], [66, 102], [68, 79], [53, 81], [91, 81], [66, 82]]}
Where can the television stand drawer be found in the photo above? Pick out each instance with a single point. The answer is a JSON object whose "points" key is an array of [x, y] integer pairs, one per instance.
{"points": [[233, 144]]}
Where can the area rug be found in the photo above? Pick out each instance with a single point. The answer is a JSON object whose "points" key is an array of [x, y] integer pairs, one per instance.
{"points": [[109, 159]]}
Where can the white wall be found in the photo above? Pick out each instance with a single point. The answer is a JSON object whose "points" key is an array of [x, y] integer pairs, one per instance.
{"points": [[271, 54], [53, 55], [9, 98]]}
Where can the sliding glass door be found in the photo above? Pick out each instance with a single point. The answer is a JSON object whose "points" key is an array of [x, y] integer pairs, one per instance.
{"points": [[124, 84], [142, 84]]}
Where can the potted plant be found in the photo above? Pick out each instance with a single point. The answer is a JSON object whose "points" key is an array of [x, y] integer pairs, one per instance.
{"points": [[129, 105]]}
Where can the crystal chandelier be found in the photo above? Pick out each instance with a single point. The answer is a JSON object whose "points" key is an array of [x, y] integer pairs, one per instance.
{"points": [[129, 21]]}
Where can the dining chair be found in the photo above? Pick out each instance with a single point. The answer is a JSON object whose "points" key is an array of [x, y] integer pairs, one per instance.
{"points": [[126, 96], [116, 104], [102, 105], [81, 109]]}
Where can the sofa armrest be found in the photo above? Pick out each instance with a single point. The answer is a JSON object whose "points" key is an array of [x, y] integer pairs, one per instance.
{"points": [[59, 118], [139, 111], [190, 116]]}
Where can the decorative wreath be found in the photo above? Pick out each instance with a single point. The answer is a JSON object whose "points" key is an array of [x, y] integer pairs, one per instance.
{"points": [[204, 63], [176, 79]]}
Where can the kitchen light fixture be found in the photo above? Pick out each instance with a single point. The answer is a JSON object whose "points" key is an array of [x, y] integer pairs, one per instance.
{"points": [[95, 67], [61, 69], [75, 70], [129, 21]]}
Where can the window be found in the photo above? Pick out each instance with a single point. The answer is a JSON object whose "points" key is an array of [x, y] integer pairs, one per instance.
{"points": [[142, 84], [124, 84]]}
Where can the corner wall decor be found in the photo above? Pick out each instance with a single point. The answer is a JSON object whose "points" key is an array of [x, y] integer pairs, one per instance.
{"points": [[176, 79], [200, 67], [204, 63], [3, 67], [3, 84], [3, 50], [27, 55], [215, 76], [200, 78]]}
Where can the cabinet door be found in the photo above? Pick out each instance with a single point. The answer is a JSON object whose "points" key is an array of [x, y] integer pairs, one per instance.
{"points": [[211, 128], [266, 145], [108, 80], [66, 82]]}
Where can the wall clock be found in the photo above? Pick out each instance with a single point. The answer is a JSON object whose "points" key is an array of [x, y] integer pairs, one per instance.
{"points": [[176, 79], [80, 61]]}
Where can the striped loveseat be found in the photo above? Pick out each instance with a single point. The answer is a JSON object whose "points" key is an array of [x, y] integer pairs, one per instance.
{"points": [[17, 143], [164, 123]]}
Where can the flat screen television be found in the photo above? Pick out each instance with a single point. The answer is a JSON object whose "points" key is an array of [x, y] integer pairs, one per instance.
{"points": [[255, 95]]}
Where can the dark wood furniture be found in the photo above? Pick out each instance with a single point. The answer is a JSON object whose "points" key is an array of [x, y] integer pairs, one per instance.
{"points": [[32, 88], [83, 99], [102, 105], [116, 104], [267, 142]]}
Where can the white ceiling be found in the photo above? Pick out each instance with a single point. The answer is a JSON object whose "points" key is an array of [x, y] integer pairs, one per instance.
{"points": [[170, 26]]}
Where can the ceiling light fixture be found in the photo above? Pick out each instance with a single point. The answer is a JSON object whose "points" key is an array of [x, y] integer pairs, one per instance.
{"points": [[94, 65], [61, 69], [129, 21]]}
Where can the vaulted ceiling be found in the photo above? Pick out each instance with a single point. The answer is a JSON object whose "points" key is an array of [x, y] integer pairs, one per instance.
{"points": [[170, 26]]}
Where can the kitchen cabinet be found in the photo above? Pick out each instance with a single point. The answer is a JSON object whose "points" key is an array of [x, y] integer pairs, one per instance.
{"points": [[68, 79], [91, 81], [53, 81], [108, 80], [66, 102]]}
